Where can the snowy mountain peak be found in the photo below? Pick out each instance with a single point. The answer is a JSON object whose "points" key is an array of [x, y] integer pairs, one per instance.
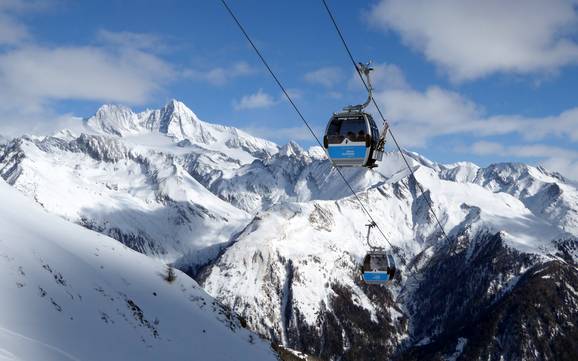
{"points": [[177, 120], [291, 149], [176, 106], [114, 119], [460, 172], [317, 152], [506, 175], [106, 110]]}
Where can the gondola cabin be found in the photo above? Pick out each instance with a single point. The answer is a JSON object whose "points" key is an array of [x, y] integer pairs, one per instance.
{"points": [[351, 139], [378, 267]]}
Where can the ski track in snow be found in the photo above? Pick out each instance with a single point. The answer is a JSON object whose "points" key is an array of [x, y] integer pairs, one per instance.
{"points": [[48, 352]]}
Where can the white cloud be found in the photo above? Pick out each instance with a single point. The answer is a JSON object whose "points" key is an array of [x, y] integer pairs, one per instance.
{"points": [[11, 32], [420, 116], [259, 99], [327, 76], [220, 75], [37, 74], [34, 77], [523, 151], [294, 93], [563, 125], [46, 124], [470, 39], [568, 167], [130, 40]]}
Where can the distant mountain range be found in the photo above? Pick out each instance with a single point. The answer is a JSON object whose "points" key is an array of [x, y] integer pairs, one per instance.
{"points": [[273, 234]]}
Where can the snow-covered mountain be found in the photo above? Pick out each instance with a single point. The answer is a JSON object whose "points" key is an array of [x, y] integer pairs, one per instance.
{"points": [[132, 179], [178, 122], [294, 272], [72, 294], [273, 233]]}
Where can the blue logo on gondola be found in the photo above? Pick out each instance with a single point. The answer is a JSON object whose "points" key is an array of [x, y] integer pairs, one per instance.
{"points": [[375, 276], [347, 152]]}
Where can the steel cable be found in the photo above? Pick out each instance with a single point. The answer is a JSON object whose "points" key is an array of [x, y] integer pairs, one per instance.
{"points": [[366, 211]]}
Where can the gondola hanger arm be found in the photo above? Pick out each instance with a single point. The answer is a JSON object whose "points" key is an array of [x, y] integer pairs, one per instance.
{"points": [[363, 69]]}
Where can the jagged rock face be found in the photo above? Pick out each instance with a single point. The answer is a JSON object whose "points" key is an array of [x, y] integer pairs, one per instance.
{"points": [[12, 157], [307, 297], [508, 306], [459, 282], [274, 234], [347, 331]]}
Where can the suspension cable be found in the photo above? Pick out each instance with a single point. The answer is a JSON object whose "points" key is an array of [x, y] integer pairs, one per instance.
{"points": [[365, 210], [429, 203]]}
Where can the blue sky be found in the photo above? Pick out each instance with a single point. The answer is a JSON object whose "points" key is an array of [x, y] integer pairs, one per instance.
{"points": [[459, 80]]}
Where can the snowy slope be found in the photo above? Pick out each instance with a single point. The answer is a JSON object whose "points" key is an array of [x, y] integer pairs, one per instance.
{"points": [[72, 294]]}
